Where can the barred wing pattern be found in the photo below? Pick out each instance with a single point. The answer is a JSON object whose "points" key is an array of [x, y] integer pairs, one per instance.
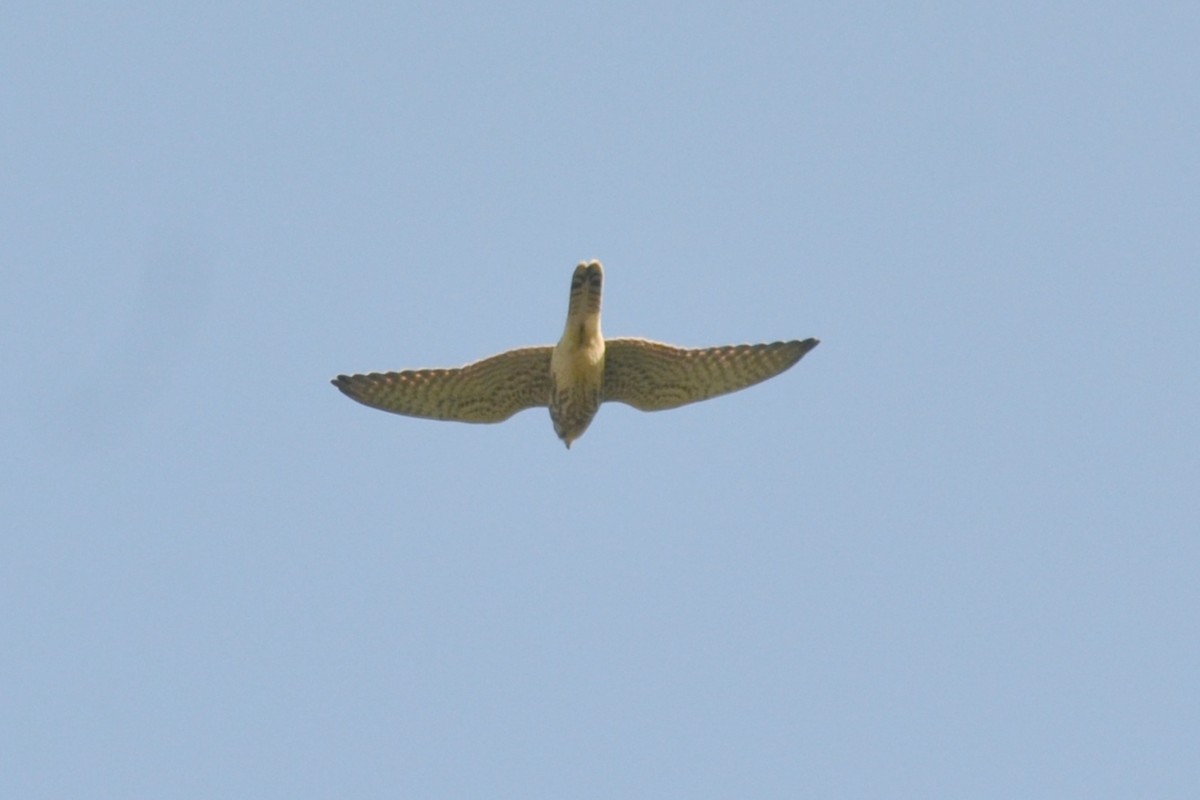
{"points": [[652, 376], [491, 390]]}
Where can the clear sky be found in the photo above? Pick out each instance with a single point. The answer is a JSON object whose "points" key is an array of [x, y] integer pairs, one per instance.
{"points": [[952, 553]]}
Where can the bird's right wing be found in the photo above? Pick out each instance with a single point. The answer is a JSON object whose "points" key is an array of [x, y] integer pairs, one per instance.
{"points": [[652, 376], [491, 390]]}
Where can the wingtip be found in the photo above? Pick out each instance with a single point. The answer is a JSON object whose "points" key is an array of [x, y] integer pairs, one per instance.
{"points": [[806, 345], [801, 348], [344, 384]]}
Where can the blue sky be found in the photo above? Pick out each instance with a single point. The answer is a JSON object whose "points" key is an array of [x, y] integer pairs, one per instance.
{"points": [[952, 553]]}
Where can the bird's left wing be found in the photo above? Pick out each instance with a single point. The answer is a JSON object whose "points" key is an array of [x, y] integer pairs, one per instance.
{"points": [[491, 390]]}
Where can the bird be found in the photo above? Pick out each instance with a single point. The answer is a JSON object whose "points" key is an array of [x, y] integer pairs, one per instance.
{"points": [[573, 377]]}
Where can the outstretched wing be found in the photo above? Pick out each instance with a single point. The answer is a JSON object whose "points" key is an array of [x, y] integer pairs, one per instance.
{"points": [[652, 376], [491, 390]]}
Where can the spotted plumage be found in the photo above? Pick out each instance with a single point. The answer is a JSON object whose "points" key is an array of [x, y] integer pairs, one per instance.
{"points": [[576, 375]]}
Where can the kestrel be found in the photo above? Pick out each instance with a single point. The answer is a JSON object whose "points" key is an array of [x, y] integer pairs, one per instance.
{"points": [[576, 375]]}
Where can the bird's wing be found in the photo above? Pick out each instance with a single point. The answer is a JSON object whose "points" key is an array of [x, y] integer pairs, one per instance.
{"points": [[652, 376], [491, 390]]}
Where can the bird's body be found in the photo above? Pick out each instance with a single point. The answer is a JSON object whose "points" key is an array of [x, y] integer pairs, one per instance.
{"points": [[577, 362], [576, 375]]}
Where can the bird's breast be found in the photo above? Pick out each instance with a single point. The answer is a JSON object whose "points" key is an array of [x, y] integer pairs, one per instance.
{"points": [[576, 372]]}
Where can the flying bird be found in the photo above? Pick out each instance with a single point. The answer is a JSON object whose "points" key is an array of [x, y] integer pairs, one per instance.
{"points": [[576, 375]]}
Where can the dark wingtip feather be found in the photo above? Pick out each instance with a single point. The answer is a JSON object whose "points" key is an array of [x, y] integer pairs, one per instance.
{"points": [[345, 385]]}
